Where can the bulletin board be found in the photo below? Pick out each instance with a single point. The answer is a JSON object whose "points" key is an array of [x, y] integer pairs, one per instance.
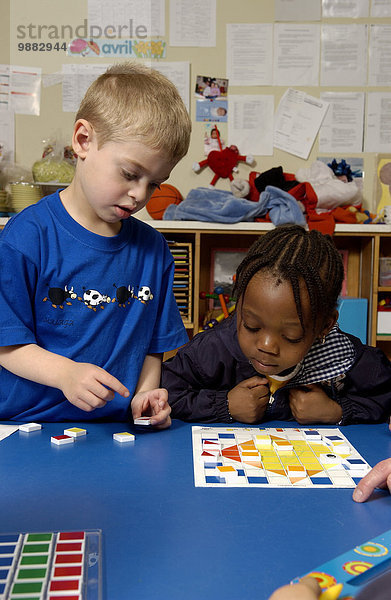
{"points": [[224, 42]]}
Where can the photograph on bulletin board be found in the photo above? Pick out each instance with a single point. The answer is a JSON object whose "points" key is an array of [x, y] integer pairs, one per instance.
{"points": [[211, 88], [224, 262], [383, 182], [212, 139], [216, 111]]}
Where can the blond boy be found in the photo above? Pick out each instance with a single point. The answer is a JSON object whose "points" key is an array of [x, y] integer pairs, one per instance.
{"points": [[86, 302]]}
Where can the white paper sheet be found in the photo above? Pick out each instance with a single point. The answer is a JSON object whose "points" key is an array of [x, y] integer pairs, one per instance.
{"points": [[6, 430], [20, 89], [351, 9], [379, 71], [344, 55], [297, 122], [76, 79], [51, 79], [179, 74], [7, 134], [127, 18], [193, 23], [378, 122], [250, 53], [342, 129], [296, 54], [5, 87], [297, 10], [250, 123], [381, 8]]}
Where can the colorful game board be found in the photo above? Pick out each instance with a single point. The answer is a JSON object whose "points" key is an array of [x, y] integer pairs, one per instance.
{"points": [[275, 457], [355, 568], [50, 565]]}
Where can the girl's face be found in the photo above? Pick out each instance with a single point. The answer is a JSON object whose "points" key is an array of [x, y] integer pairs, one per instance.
{"points": [[269, 330]]}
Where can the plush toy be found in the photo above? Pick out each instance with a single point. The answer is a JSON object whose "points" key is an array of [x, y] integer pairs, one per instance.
{"points": [[223, 162]]}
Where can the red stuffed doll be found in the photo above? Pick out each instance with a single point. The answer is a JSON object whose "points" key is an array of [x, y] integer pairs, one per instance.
{"points": [[223, 162]]}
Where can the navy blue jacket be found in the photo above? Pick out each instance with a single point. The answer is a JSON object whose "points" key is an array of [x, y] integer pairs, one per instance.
{"points": [[199, 377]]}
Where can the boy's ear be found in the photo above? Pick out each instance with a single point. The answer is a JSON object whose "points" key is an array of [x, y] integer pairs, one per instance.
{"points": [[330, 323], [83, 134]]}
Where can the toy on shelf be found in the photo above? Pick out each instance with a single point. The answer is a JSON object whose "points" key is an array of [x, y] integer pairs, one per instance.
{"points": [[223, 299], [223, 161], [162, 197]]}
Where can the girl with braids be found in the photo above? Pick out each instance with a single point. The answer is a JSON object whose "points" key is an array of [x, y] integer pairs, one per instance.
{"points": [[281, 355]]}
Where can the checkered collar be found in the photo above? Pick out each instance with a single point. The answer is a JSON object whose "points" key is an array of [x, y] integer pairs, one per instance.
{"points": [[327, 360]]}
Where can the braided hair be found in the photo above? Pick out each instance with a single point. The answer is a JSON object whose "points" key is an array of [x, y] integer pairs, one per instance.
{"points": [[290, 253]]}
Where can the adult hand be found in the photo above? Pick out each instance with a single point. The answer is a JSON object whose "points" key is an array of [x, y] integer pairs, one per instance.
{"points": [[378, 477], [307, 589]]}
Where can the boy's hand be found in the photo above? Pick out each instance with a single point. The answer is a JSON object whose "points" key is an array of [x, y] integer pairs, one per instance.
{"points": [[248, 400], [311, 404], [88, 386], [153, 403]]}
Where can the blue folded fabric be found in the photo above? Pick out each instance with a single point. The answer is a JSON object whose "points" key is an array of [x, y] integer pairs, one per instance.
{"points": [[283, 208], [206, 204], [220, 206]]}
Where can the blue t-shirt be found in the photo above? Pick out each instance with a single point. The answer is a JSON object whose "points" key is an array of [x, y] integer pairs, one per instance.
{"points": [[102, 300]]}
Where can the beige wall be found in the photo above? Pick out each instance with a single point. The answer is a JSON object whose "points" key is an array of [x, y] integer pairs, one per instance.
{"points": [[31, 130]]}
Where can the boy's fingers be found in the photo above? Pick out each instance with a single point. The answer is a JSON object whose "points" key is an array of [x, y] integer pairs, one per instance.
{"points": [[161, 421], [377, 477], [114, 384], [102, 392], [160, 413]]}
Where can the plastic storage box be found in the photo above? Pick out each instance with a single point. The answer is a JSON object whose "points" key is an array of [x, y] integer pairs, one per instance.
{"points": [[353, 316]]}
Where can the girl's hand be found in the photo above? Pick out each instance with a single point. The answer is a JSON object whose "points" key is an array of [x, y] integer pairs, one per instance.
{"points": [[310, 404], [153, 403], [248, 400]]}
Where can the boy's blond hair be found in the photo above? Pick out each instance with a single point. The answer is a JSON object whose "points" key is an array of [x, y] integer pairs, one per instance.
{"points": [[134, 102]]}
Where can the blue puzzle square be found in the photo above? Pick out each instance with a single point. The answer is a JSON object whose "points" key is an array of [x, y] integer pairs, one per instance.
{"points": [[214, 479], [321, 480], [257, 479]]}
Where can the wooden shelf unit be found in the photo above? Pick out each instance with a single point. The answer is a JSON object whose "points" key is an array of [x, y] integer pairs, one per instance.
{"points": [[182, 253], [382, 247]]}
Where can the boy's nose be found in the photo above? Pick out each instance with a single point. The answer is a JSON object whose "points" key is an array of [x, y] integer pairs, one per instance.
{"points": [[138, 192]]}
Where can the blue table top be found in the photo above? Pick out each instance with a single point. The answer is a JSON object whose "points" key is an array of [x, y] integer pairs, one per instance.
{"points": [[164, 538]]}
